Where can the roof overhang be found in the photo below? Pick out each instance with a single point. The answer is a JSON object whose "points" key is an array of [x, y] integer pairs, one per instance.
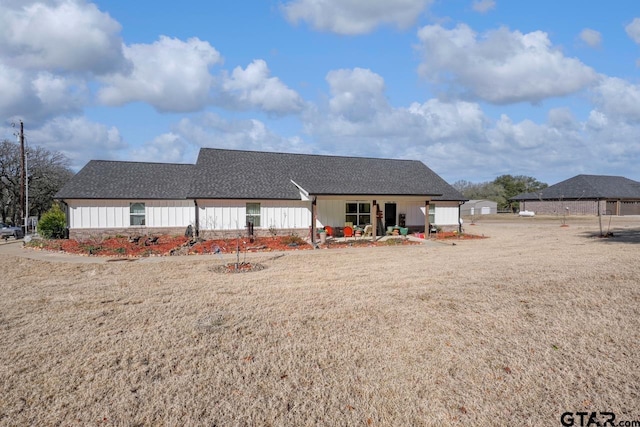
{"points": [[395, 197]]}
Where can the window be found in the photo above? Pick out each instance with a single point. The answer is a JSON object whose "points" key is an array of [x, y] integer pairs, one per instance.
{"points": [[253, 214], [136, 214], [358, 213], [432, 213]]}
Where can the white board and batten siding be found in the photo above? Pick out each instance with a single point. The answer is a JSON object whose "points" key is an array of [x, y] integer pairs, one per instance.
{"points": [[446, 213], [231, 214], [116, 213]]}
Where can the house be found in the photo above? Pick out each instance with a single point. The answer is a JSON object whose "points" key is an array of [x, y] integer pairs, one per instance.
{"points": [[478, 207], [585, 195], [227, 191]]}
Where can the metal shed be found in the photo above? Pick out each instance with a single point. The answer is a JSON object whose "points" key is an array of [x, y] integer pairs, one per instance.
{"points": [[479, 207]]}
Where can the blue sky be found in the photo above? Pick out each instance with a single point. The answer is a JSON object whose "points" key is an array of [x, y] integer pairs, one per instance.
{"points": [[473, 88]]}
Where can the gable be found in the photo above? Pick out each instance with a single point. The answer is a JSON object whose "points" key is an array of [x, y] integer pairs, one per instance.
{"points": [[101, 179]]}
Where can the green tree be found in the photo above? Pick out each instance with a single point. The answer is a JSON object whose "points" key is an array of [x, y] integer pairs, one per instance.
{"points": [[514, 185], [483, 190], [53, 223], [500, 190]]}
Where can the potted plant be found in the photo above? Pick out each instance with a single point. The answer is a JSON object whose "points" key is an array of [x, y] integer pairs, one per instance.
{"points": [[323, 235]]}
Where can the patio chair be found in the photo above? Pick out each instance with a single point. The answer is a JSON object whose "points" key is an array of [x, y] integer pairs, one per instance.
{"points": [[329, 230], [348, 231], [368, 230]]}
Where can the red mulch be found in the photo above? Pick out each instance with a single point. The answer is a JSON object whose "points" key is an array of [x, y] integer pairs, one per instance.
{"points": [[172, 245], [112, 246]]}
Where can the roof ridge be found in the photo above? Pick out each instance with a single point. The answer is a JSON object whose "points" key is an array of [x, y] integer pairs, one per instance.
{"points": [[140, 162], [307, 154]]}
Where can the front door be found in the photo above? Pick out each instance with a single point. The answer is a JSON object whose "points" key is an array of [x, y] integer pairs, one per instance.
{"points": [[389, 214]]}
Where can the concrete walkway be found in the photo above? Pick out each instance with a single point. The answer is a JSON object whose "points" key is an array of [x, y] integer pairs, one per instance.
{"points": [[16, 248]]}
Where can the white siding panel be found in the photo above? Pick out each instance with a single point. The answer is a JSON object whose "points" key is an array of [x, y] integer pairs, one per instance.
{"points": [[171, 216], [102, 216], [168, 213], [331, 213], [414, 212], [122, 215], [164, 215], [115, 213], [93, 217], [285, 214], [111, 215], [446, 215], [231, 214]]}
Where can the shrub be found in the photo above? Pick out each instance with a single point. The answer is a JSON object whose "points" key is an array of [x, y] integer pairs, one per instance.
{"points": [[293, 240], [53, 223]]}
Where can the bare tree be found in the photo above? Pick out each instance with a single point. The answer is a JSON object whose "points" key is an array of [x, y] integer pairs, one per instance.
{"points": [[47, 172]]}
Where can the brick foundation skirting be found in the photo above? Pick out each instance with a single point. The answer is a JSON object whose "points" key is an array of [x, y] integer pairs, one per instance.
{"points": [[93, 233], [82, 234], [257, 232], [102, 233]]}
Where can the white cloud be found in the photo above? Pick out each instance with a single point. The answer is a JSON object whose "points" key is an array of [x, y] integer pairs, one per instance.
{"points": [[483, 6], [357, 94], [37, 96], [458, 140], [501, 66], [253, 88], [166, 148], [619, 99], [591, 37], [69, 35], [211, 130], [354, 16], [170, 74], [79, 139], [358, 120], [633, 30], [562, 118]]}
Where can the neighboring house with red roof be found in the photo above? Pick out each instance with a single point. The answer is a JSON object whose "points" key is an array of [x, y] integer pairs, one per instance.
{"points": [[585, 195], [275, 192]]}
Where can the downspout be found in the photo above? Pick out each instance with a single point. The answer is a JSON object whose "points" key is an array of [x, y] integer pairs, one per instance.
{"points": [[197, 225], [460, 217], [66, 218]]}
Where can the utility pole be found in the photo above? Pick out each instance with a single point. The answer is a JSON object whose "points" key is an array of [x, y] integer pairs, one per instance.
{"points": [[23, 176]]}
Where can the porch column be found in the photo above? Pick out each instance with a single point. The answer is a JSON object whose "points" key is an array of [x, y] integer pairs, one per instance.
{"points": [[374, 221], [314, 215], [427, 229]]}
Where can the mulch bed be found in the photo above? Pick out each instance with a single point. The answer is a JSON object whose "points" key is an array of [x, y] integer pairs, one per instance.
{"points": [[243, 267], [124, 247], [447, 235]]}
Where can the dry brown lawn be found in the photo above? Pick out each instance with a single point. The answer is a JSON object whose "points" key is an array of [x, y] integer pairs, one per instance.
{"points": [[515, 329]]}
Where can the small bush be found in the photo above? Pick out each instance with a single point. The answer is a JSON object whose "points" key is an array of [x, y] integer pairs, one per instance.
{"points": [[293, 240], [53, 223]]}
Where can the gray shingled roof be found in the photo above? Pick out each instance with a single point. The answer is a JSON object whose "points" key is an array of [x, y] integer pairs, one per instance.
{"points": [[222, 174], [587, 187], [232, 174], [101, 179]]}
